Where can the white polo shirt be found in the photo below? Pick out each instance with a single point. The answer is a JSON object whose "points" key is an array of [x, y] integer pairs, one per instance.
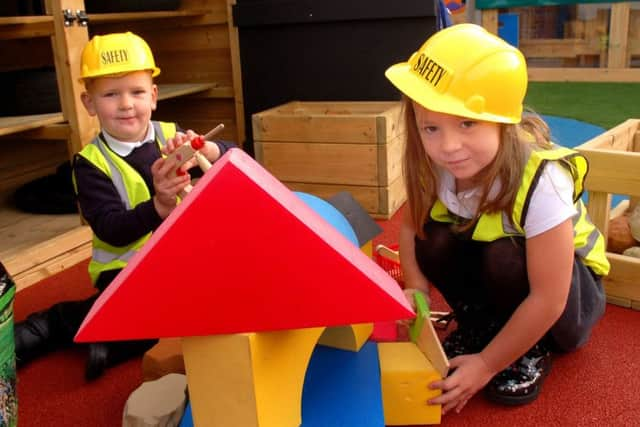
{"points": [[551, 202]]}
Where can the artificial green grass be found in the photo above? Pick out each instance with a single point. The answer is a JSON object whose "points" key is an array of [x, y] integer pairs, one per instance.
{"points": [[601, 104]]}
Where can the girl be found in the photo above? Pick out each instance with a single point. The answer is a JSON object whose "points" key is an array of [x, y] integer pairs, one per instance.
{"points": [[494, 218]]}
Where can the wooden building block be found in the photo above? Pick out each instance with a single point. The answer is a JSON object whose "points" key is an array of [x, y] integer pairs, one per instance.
{"points": [[324, 148], [350, 337], [163, 358], [283, 286], [614, 162], [248, 380], [405, 377], [342, 388]]}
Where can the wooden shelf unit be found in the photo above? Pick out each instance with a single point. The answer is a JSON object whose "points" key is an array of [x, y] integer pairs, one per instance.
{"points": [[615, 46], [196, 48]]}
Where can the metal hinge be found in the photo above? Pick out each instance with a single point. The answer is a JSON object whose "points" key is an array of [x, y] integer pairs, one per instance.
{"points": [[80, 16]]}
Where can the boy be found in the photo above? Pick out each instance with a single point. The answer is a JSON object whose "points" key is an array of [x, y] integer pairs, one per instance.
{"points": [[124, 185]]}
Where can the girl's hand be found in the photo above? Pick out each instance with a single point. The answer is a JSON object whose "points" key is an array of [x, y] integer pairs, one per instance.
{"points": [[167, 185], [470, 374]]}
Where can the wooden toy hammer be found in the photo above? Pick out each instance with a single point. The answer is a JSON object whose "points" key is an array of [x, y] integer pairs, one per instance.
{"points": [[189, 150]]}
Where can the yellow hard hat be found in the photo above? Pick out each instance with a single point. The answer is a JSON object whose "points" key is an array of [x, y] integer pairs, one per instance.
{"points": [[115, 54], [466, 71]]}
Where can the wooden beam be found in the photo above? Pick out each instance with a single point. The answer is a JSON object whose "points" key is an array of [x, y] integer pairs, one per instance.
{"points": [[576, 74], [618, 36]]}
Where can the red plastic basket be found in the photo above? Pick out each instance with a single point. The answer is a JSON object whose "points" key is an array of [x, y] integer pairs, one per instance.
{"points": [[390, 264]]}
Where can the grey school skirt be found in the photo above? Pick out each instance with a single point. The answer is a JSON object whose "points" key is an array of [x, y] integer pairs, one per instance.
{"points": [[585, 306]]}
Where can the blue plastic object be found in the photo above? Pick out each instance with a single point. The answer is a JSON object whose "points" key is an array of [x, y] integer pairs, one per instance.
{"points": [[342, 388], [509, 28], [330, 214]]}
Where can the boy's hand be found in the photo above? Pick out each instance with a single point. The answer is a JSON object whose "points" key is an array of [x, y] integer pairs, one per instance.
{"points": [[210, 150], [178, 140], [167, 185]]}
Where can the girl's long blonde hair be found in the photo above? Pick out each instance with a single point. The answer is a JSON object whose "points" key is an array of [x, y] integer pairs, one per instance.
{"points": [[421, 179]]}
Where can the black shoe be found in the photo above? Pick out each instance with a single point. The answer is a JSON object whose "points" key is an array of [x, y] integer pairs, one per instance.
{"points": [[468, 339], [97, 361], [104, 355], [33, 338], [521, 383]]}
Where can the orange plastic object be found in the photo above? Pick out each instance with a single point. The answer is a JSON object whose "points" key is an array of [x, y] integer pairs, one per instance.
{"points": [[253, 257]]}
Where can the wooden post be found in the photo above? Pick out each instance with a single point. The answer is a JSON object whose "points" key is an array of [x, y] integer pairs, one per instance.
{"points": [[618, 36], [67, 43], [490, 20], [236, 74]]}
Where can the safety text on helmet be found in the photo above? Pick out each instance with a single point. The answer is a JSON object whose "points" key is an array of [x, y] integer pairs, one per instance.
{"points": [[430, 70], [115, 56]]}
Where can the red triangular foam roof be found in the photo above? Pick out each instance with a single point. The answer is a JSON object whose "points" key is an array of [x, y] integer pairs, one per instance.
{"points": [[242, 253]]}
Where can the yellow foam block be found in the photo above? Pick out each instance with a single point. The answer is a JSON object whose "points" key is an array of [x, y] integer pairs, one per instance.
{"points": [[367, 248], [350, 337], [405, 374], [248, 380]]}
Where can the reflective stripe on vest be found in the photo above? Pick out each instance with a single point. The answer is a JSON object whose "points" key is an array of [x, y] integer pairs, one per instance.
{"points": [[132, 191], [588, 241]]}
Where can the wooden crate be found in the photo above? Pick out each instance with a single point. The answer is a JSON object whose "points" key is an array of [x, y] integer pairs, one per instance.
{"points": [[614, 168], [323, 148]]}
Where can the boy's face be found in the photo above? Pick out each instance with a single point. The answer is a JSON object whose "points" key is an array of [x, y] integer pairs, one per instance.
{"points": [[123, 104]]}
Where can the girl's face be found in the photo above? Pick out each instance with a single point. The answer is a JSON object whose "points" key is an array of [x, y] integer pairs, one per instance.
{"points": [[461, 145], [123, 104]]}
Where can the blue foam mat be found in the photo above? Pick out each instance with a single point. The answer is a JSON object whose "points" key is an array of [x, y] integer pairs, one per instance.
{"points": [[570, 132]]}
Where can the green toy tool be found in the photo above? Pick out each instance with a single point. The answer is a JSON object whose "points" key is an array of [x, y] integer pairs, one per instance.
{"points": [[423, 314]]}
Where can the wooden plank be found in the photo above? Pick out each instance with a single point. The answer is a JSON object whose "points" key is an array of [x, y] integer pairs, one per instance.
{"points": [[618, 36], [613, 172], [328, 122], [622, 302], [598, 209], [617, 138], [14, 124], [59, 263], [577, 74], [390, 159], [490, 20], [623, 280], [391, 198], [355, 164], [24, 258], [236, 74], [429, 344], [556, 48], [19, 27], [168, 91], [67, 47], [59, 131], [101, 18]]}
